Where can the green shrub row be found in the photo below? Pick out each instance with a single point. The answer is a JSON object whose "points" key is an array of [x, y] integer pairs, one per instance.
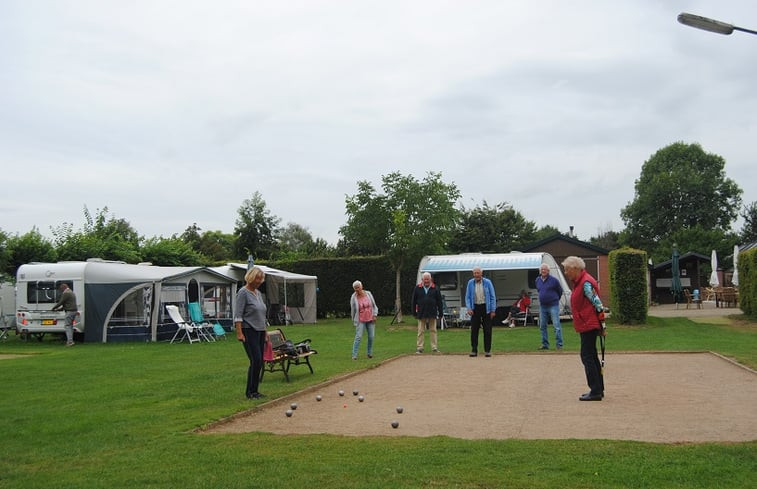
{"points": [[335, 277], [747, 279]]}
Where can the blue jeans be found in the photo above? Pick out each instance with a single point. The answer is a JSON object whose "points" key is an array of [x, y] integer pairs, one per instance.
{"points": [[554, 313], [359, 329]]}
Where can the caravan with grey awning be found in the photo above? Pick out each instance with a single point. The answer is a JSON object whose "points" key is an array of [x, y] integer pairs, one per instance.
{"points": [[509, 272]]}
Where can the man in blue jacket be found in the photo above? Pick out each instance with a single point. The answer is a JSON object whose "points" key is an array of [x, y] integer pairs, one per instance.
{"points": [[550, 292], [481, 302]]}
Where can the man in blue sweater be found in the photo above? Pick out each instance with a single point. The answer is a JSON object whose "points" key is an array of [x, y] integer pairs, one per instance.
{"points": [[550, 292], [481, 302]]}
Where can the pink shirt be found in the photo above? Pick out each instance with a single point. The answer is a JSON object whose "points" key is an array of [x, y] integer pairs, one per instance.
{"points": [[365, 309]]}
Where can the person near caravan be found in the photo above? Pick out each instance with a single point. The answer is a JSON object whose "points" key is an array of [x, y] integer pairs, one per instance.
{"points": [[521, 305], [250, 323], [364, 311], [427, 306], [481, 302], [588, 314], [67, 303], [550, 292]]}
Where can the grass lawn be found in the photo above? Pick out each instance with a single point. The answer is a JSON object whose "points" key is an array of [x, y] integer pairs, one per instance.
{"points": [[122, 415]]}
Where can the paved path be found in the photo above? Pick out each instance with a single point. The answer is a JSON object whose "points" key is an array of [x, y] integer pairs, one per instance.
{"points": [[708, 310]]}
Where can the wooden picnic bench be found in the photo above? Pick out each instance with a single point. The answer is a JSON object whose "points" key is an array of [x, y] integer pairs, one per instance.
{"points": [[279, 354]]}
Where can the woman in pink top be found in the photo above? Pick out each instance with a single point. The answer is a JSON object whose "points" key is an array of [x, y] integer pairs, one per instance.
{"points": [[364, 312]]}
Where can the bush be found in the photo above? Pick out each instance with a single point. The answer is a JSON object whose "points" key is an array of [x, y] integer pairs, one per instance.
{"points": [[747, 279], [628, 279]]}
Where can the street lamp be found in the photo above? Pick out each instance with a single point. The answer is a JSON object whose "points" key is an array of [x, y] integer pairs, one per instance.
{"points": [[711, 25]]}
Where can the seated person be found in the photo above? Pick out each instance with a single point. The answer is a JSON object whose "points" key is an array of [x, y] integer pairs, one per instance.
{"points": [[521, 305]]}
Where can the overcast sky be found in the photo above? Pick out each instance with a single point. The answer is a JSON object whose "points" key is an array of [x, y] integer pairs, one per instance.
{"points": [[173, 112]]}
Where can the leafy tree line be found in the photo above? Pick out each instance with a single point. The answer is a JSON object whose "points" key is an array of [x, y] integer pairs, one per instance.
{"points": [[682, 196]]}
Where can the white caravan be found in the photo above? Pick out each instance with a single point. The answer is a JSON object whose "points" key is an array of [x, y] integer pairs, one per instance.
{"points": [[509, 272], [118, 301], [39, 289]]}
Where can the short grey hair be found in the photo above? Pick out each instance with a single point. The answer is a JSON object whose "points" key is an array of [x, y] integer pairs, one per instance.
{"points": [[477, 268], [426, 274], [574, 262], [357, 283]]}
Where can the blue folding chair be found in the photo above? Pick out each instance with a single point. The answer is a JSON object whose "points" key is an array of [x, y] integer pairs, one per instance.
{"points": [[203, 327]]}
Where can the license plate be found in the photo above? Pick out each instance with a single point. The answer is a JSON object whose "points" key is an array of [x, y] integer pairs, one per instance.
{"points": [[49, 322]]}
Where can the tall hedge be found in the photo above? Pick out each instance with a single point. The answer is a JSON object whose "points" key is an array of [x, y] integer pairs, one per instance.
{"points": [[335, 277], [628, 279], [747, 281]]}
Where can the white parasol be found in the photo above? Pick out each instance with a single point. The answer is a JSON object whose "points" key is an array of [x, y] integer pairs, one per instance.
{"points": [[735, 278], [714, 281]]}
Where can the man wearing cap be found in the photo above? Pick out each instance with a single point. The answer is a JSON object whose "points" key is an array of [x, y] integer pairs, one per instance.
{"points": [[67, 302]]}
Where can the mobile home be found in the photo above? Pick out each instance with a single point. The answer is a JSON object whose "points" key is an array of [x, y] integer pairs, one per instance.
{"points": [[118, 301], [509, 272]]}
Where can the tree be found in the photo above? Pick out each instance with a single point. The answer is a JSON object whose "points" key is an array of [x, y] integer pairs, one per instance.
{"points": [[214, 246], [545, 232], [4, 255], [100, 237], [698, 239], [748, 232], [368, 223], [26, 248], [171, 252], [606, 238], [255, 229], [497, 229], [294, 238], [410, 219], [680, 187]]}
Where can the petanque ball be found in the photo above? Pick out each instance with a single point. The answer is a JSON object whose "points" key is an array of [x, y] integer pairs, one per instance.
{"points": [[354, 393], [288, 413], [318, 397], [395, 424], [293, 406], [341, 393], [399, 409], [361, 398]]}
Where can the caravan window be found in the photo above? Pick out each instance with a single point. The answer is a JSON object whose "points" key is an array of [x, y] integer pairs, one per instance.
{"points": [[133, 310], [45, 292], [216, 301], [446, 280]]}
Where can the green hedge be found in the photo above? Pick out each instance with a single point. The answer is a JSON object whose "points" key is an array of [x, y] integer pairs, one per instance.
{"points": [[747, 279], [628, 279], [335, 277]]}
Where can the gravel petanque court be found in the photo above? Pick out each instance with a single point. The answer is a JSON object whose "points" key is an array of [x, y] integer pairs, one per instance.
{"points": [[656, 397]]}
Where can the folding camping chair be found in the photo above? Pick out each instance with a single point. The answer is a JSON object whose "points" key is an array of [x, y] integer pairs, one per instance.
{"points": [[524, 317], [204, 328], [182, 326]]}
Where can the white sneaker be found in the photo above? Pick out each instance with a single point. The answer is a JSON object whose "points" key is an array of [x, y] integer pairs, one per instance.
{"points": [[512, 324]]}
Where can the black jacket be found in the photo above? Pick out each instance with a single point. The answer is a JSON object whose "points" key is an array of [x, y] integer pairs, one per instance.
{"points": [[429, 304]]}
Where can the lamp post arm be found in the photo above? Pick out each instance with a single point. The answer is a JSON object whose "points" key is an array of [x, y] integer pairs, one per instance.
{"points": [[744, 30]]}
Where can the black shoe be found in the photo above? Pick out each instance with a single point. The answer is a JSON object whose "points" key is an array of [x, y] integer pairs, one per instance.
{"points": [[256, 395], [473, 354], [590, 397], [487, 354], [544, 348]]}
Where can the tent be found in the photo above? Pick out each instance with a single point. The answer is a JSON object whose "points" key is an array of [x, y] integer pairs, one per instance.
{"points": [[124, 302], [291, 296]]}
